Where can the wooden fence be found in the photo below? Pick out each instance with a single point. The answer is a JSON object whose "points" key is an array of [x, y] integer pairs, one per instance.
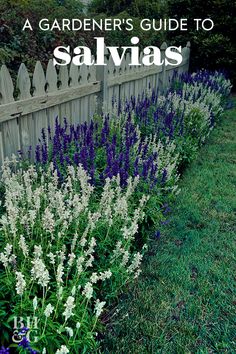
{"points": [[76, 93]]}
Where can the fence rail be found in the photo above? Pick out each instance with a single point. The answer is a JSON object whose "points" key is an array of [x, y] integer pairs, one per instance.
{"points": [[76, 93]]}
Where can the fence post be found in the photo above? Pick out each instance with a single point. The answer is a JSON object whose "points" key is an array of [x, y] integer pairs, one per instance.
{"points": [[163, 73], [101, 75], [188, 46], [1, 149]]}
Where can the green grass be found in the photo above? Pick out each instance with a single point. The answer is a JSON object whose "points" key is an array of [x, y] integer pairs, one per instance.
{"points": [[184, 301]]}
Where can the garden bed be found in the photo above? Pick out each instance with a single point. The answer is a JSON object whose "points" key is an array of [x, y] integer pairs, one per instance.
{"points": [[75, 225]]}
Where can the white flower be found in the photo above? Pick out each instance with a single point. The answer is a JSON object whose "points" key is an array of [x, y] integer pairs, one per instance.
{"points": [[79, 264], [48, 220], [52, 257], [69, 306], [125, 258], [78, 324], [89, 262], [60, 292], [62, 350], [23, 246], [94, 278], [74, 241], [8, 249], [73, 290], [99, 307], [126, 233], [35, 303], [71, 259], [145, 247], [38, 251], [32, 216], [20, 283], [61, 254], [118, 250], [44, 351], [70, 331], [105, 275], [48, 310], [91, 246], [121, 207], [137, 273], [59, 274], [136, 262], [92, 219], [88, 290], [5, 257], [83, 241], [39, 272]]}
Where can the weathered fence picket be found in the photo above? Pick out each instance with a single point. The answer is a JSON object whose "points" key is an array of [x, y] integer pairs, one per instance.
{"points": [[73, 92]]}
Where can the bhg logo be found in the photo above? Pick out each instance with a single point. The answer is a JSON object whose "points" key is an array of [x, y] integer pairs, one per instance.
{"points": [[25, 328]]}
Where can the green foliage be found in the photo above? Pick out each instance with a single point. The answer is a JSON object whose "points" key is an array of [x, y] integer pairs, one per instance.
{"points": [[121, 38], [215, 49], [212, 50], [29, 46], [135, 8]]}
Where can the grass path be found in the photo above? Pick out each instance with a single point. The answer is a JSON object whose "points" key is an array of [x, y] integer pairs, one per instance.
{"points": [[184, 301]]}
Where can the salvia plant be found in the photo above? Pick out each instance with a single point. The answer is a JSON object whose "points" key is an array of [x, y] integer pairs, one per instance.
{"points": [[65, 252], [185, 114], [110, 146], [105, 148]]}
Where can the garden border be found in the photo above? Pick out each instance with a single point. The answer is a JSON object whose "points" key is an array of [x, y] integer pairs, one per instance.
{"points": [[34, 101]]}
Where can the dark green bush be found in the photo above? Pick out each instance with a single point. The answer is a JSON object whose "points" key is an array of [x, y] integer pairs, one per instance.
{"points": [[215, 49], [28, 46]]}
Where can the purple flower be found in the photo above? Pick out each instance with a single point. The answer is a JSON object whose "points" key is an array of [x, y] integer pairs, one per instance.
{"points": [[43, 134], [166, 209], [23, 330], [157, 234], [136, 169], [29, 152], [164, 176], [105, 153], [165, 222], [24, 343], [37, 154], [44, 153]]}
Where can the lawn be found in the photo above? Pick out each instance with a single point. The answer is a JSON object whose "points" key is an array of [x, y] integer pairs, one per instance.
{"points": [[184, 301]]}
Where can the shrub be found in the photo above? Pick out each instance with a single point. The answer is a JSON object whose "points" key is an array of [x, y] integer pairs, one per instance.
{"points": [[186, 114], [29, 46], [214, 50]]}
